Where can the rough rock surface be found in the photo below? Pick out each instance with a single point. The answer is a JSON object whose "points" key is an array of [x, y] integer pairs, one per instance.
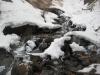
{"points": [[69, 64], [6, 60]]}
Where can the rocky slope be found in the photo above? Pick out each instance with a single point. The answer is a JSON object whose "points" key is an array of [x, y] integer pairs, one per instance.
{"points": [[52, 37]]}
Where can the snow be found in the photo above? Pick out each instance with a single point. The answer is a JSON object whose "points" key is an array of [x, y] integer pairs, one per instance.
{"points": [[31, 44], [79, 15], [2, 68], [98, 69], [20, 51], [28, 49], [90, 68], [91, 36], [26, 59], [73, 7], [91, 20], [54, 50], [49, 17], [7, 40], [20, 12], [9, 72], [87, 69], [76, 47]]}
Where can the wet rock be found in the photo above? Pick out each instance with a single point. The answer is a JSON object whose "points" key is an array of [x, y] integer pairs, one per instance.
{"points": [[47, 72], [81, 41], [27, 30], [36, 66], [6, 59], [7, 0], [63, 19], [20, 69], [75, 27], [56, 11], [45, 44], [88, 1], [66, 48]]}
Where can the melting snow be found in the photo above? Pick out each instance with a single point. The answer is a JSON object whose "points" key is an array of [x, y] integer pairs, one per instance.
{"points": [[2, 68]]}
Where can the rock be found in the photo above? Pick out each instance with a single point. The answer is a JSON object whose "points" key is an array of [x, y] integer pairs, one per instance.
{"points": [[43, 46], [88, 1], [66, 48], [20, 69], [27, 30], [6, 59], [55, 11], [41, 4], [36, 66], [47, 72], [7, 0]]}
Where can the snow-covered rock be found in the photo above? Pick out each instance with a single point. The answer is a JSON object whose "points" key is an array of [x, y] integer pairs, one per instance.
{"points": [[96, 67], [2, 68], [54, 50], [76, 47], [7, 40], [19, 12], [91, 36]]}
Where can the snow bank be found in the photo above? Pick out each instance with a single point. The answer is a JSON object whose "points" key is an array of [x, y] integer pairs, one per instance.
{"points": [[19, 12]]}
